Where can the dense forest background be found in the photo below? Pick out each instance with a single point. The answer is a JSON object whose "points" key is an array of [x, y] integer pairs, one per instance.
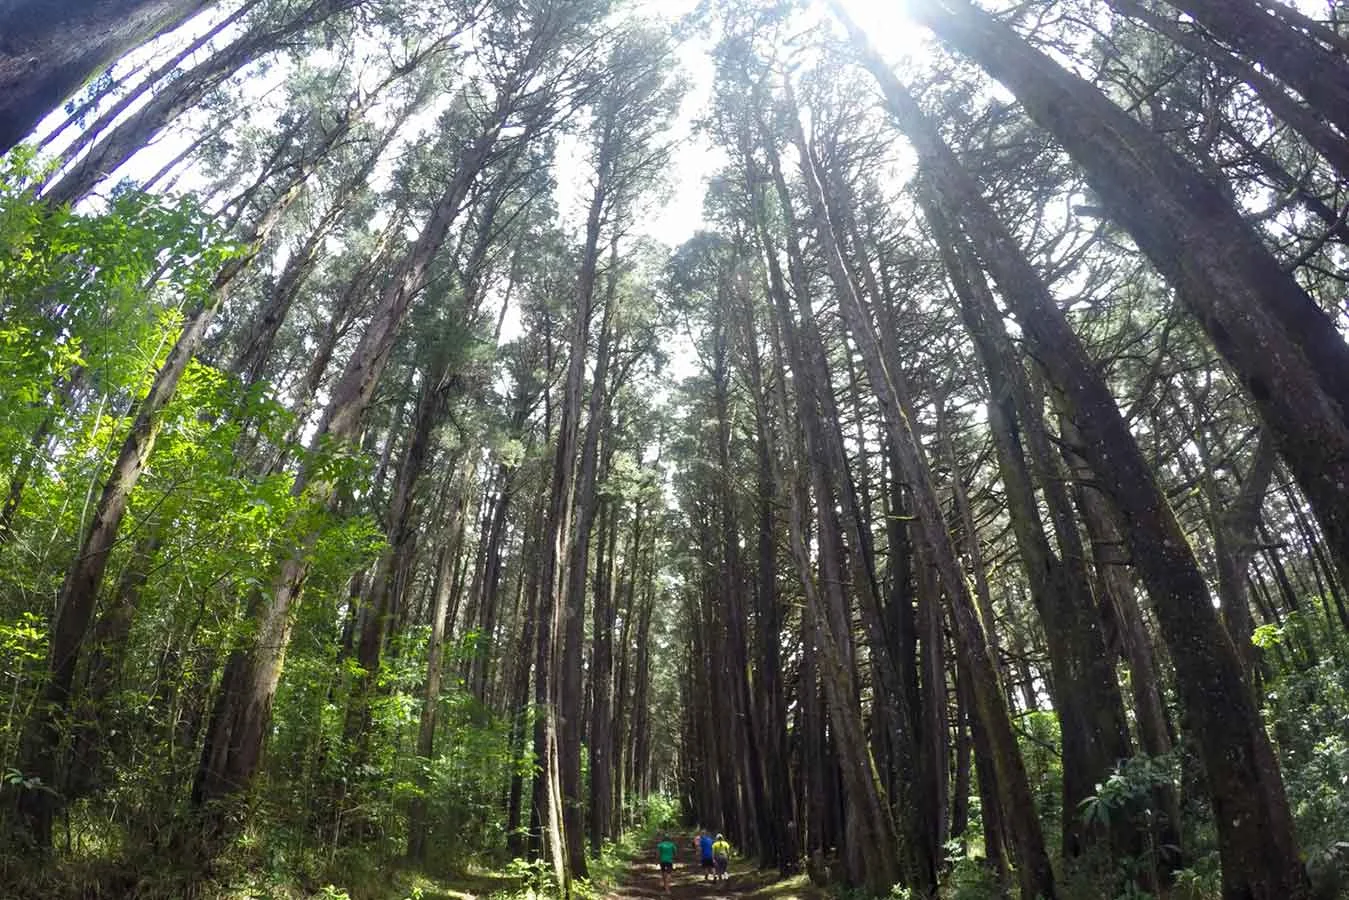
{"points": [[962, 511]]}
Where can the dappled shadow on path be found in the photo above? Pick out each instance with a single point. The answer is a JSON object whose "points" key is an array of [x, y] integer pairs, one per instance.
{"points": [[642, 882]]}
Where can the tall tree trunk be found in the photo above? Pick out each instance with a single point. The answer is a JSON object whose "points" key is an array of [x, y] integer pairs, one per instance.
{"points": [[875, 864], [1283, 347], [124, 139], [779, 837], [435, 660], [1033, 869], [1317, 72], [49, 48], [233, 747], [1086, 692], [79, 591], [575, 475], [1259, 853]]}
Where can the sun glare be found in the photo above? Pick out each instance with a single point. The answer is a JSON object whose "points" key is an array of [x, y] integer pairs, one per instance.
{"points": [[898, 38]]}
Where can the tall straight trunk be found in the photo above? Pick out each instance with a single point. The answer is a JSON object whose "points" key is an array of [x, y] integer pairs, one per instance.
{"points": [[619, 749], [875, 864], [388, 584], [900, 622], [1033, 867], [1086, 693], [233, 747], [488, 587], [641, 696], [1259, 853], [1283, 347], [49, 48], [543, 818], [563, 681], [960, 778], [934, 740], [922, 842], [779, 836], [745, 713], [576, 474], [605, 711], [435, 661]]}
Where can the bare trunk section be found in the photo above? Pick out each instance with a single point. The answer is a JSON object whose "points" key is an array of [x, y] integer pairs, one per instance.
{"points": [[233, 747], [1259, 853], [49, 48], [435, 661], [1033, 870], [1086, 692], [1284, 348], [875, 863]]}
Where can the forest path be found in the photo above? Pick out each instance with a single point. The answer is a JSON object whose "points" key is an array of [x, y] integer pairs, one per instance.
{"points": [[642, 882]]}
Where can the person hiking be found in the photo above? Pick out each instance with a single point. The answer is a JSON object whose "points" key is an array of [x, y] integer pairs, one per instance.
{"points": [[705, 856], [721, 855], [665, 852]]}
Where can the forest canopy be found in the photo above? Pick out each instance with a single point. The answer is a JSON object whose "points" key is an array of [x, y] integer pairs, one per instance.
{"points": [[452, 442]]}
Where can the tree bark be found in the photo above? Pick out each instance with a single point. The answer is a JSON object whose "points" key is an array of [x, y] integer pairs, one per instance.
{"points": [[1259, 853], [233, 747], [1033, 869], [1086, 692], [1283, 347], [124, 139], [49, 48], [1317, 72]]}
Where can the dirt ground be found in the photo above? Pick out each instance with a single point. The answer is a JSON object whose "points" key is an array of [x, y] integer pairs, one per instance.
{"points": [[642, 882]]}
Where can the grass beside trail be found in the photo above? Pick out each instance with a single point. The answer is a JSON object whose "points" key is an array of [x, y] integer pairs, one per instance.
{"points": [[772, 886]]}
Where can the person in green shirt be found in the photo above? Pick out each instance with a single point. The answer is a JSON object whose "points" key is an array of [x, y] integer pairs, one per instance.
{"points": [[665, 851]]}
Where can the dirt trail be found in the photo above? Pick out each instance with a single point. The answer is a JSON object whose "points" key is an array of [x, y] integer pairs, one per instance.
{"points": [[643, 881]]}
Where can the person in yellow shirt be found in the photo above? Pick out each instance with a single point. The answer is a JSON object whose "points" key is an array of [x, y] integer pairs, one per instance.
{"points": [[721, 855]]}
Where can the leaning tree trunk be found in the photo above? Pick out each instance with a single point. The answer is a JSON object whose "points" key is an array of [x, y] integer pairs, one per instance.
{"points": [[1279, 342], [1313, 128], [1259, 853], [110, 113], [232, 750], [42, 743], [1034, 870], [1317, 72], [125, 138], [1086, 692], [49, 48]]}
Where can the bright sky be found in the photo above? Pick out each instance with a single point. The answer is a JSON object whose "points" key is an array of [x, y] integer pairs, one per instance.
{"points": [[893, 34]]}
